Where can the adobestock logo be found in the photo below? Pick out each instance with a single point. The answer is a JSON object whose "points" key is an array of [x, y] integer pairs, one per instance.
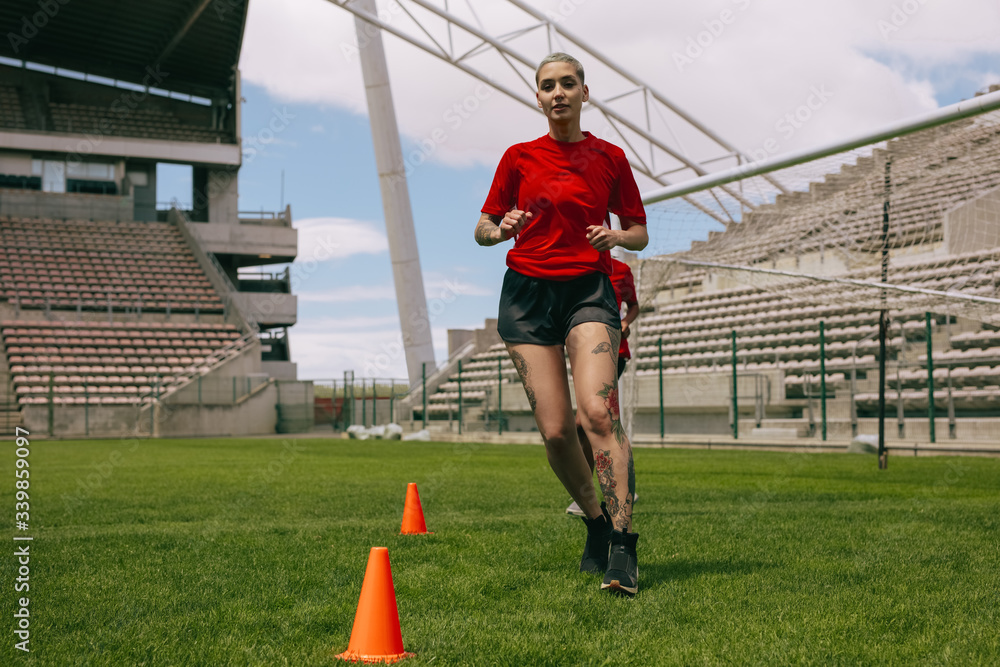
{"points": [[279, 122], [565, 9], [378, 364], [454, 117], [121, 109], [793, 121], [47, 10], [899, 17], [697, 44], [351, 50]]}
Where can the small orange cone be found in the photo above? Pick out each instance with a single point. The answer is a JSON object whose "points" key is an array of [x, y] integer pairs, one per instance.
{"points": [[375, 636], [413, 514]]}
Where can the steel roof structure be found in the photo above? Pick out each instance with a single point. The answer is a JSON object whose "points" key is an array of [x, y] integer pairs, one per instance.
{"points": [[663, 142], [196, 42]]}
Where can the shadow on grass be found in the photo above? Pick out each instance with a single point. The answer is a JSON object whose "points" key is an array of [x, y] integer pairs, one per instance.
{"points": [[657, 575]]}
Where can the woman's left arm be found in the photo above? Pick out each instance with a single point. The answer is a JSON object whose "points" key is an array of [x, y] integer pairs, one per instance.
{"points": [[632, 236]]}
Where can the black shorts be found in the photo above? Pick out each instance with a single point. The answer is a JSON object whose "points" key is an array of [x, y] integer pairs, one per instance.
{"points": [[542, 312]]}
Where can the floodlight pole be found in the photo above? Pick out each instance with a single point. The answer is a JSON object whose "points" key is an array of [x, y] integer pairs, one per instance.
{"points": [[410, 299], [822, 378], [931, 412], [659, 351], [883, 318], [736, 407], [499, 396]]}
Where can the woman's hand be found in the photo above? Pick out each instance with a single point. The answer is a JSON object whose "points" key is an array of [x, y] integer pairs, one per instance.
{"points": [[513, 222], [492, 229], [601, 238]]}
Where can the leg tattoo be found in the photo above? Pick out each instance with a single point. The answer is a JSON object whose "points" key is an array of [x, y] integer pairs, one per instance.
{"points": [[522, 369], [612, 347], [601, 348], [610, 396], [606, 478], [621, 513], [631, 485], [615, 336]]}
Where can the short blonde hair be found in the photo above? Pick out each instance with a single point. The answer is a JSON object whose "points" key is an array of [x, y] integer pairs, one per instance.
{"points": [[559, 57]]}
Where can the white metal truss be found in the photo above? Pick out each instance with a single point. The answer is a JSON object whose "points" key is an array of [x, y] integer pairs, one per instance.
{"points": [[663, 142]]}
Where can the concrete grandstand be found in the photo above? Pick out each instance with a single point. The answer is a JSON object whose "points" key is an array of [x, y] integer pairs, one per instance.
{"points": [[120, 316]]}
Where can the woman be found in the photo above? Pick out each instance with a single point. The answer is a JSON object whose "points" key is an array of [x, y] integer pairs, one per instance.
{"points": [[551, 195]]}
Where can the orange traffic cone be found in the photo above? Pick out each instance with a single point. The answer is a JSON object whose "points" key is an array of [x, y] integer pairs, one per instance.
{"points": [[375, 636], [413, 514]]}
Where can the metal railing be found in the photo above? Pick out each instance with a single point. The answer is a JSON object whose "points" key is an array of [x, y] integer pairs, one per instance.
{"points": [[271, 218], [113, 300], [357, 401], [265, 282], [89, 392], [217, 275]]}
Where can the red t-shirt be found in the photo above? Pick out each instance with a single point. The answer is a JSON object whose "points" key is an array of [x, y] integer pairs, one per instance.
{"points": [[624, 284], [567, 186]]}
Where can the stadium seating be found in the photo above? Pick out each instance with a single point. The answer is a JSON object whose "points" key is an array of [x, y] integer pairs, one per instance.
{"points": [[782, 335], [102, 363], [69, 264], [926, 189], [79, 265], [141, 122], [11, 114]]}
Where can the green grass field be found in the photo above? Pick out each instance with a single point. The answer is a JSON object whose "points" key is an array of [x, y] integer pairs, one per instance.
{"points": [[252, 552]]}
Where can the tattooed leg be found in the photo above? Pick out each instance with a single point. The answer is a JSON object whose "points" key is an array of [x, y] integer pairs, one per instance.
{"points": [[631, 486], [619, 507], [615, 340], [610, 395], [606, 477], [596, 384], [525, 372], [610, 346], [542, 369]]}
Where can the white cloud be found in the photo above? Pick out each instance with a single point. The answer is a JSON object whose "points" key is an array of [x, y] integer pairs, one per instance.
{"points": [[362, 293], [327, 355], [437, 286], [353, 323], [323, 239], [370, 346], [754, 68], [937, 30], [442, 286], [988, 79]]}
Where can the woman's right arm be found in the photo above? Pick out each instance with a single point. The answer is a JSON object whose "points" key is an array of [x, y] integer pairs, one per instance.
{"points": [[488, 230], [493, 229]]}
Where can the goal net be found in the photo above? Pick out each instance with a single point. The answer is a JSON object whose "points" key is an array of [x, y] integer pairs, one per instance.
{"points": [[910, 225]]}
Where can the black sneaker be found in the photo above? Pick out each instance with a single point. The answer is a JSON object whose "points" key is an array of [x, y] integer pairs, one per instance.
{"points": [[622, 575], [595, 551]]}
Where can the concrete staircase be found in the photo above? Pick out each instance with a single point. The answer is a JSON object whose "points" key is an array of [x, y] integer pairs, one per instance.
{"points": [[10, 410]]}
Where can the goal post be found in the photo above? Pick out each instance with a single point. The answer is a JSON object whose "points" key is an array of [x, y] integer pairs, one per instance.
{"points": [[823, 234], [771, 248]]}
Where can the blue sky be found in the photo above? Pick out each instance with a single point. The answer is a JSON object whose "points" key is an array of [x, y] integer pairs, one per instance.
{"points": [[347, 312]]}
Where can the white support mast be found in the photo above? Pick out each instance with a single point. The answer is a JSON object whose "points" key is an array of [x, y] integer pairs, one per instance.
{"points": [[410, 299]]}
